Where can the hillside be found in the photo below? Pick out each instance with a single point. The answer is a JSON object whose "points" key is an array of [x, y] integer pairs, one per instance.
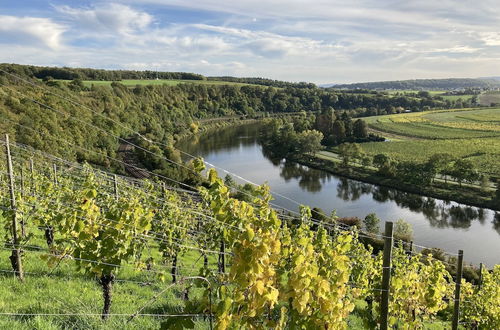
{"points": [[423, 84]]}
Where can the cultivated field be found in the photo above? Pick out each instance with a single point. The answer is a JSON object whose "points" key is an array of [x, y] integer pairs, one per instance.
{"points": [[489, 98], [469, 133], [134, 82]]}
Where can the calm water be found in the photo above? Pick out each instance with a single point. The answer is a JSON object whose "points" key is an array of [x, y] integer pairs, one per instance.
{"points": [[436, 223]]}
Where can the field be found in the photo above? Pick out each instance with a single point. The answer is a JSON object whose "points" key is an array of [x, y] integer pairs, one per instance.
{"points": [[469, 133], [490, 97], [170, 82], [434, 93]]}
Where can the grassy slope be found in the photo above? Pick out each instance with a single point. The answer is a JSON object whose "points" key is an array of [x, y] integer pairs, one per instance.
{"points": [[470, 133], [64, 290]]}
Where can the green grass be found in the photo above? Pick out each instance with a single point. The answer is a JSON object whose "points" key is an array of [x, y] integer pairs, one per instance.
{"points": [[469, 133], [64, 290], [159, 82]]}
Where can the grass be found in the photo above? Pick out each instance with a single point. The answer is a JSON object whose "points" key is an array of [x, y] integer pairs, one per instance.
{"points": [[468, 133], [169, 82], [64, 290]]}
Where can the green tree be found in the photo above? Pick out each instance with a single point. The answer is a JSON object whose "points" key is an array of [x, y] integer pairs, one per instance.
{"points": [[309, 141], [464, 170], [403, 230], [385, 165], [338, 132], [360, 129], [372, 223], [441, 163], [349, 152]]}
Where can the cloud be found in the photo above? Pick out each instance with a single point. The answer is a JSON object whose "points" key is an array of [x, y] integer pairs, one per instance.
{"points": [[322, 40], [107, 18], [31, 31]]}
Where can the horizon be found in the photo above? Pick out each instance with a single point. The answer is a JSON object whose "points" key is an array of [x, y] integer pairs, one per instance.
{"points": [[322, 42]]}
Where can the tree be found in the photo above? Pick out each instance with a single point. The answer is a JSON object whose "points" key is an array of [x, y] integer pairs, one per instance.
{"points": [[464, 170], [360, 129], [441, 164], [380, 160], [350, 151], [338, 132], [415, 173], [403, 230], [385, 165], [372, 223], [324, 121], [309, 141]]}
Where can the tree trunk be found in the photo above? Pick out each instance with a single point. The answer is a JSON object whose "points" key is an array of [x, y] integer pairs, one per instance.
{"points": [[205, 260], [174, 269], [106, 283], [49, 236]]}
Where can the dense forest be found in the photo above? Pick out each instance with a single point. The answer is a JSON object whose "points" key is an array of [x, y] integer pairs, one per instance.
{"points": [[424, 84]]}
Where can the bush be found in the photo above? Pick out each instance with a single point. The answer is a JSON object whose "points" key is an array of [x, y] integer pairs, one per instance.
{"points": [[350, 221]]}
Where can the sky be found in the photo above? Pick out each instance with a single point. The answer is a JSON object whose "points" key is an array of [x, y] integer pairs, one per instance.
{"points": [[320, 41]]}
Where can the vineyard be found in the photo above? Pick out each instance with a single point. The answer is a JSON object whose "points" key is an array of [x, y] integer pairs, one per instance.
{"points": [[195, 257], [470, 133]]}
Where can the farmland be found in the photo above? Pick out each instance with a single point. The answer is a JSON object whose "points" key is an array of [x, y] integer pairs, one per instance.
{"points": [[468, 133], [169, 82], [490, 97]]}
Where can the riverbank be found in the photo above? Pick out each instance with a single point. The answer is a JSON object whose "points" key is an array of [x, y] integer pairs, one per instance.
{"points": [[464, 195]]}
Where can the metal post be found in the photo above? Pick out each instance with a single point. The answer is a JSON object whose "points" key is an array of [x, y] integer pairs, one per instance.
{"points": [[386, 276], [458, 283], [15, 258]]}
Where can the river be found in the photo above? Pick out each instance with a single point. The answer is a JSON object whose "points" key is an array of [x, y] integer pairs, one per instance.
{"points": [[436, 223]]}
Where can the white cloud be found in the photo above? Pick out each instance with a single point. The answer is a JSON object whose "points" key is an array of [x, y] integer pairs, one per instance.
{"points": [[31, 30], [311, 40], [490, 38], [107, 18]]}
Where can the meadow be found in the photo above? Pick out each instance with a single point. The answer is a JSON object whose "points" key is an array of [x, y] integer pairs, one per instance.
{"points": [[468, 133], [170, 82]]}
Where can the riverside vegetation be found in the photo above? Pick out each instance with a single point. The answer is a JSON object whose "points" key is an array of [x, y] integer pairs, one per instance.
{"points": [[424, 165]]}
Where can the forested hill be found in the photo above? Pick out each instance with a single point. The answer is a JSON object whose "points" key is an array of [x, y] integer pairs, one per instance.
{"points": [[65, 73], [71, 119], [424, 84]]}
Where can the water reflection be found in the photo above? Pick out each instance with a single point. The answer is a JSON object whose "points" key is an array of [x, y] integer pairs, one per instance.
{"points": [[440, 214], [221, 140], [309, 179]]}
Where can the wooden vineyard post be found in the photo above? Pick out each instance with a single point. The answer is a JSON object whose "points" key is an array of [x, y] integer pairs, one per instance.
{"points": [[480, 282], [116, 186], [458, 283], [15, 258], [386, 276], [54, 169], [32, 177]]}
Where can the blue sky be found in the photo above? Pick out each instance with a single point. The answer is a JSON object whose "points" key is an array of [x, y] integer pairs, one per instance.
{"points": [[320, 41]]}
